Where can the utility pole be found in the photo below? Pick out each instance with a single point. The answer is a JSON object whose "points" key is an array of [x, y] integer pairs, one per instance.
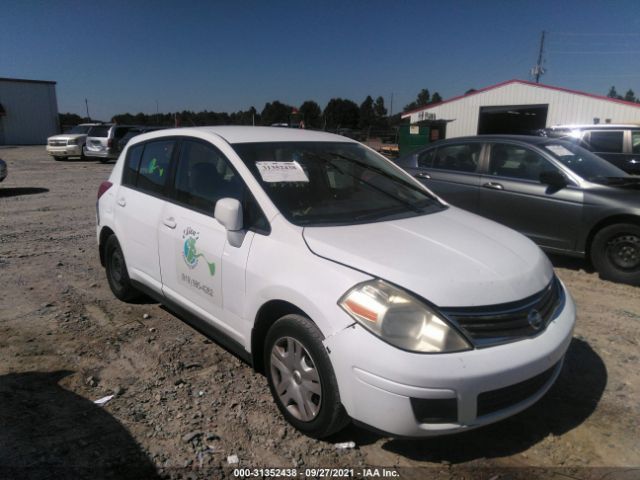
{"points": [[538, 69], [86, 104], [391, 106]]}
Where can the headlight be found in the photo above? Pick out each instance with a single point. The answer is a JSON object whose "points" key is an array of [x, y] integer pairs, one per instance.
{"points": [[72, 141], [401, 319]]}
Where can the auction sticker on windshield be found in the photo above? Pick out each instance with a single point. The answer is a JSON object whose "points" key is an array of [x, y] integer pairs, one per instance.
{"points": [[272, 172], [559, 150]]}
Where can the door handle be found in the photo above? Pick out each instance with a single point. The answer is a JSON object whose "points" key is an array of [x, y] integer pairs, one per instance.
{"points": [[422, 175], [170, 222], [122, 202], [493, 185]]}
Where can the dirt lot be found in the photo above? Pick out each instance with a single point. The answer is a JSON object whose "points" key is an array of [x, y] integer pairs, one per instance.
{"points": [[182, 404]]}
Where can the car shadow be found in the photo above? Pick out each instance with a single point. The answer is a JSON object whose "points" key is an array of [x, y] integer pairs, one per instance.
{"points": [[17, 191], [571, 400], [50, 432], [571, 263]]}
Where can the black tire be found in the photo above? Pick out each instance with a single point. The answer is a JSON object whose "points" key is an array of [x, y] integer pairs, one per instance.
{"points": [[58, 159], [116, 270], [330, 416], [103, 160], [615, 253]]}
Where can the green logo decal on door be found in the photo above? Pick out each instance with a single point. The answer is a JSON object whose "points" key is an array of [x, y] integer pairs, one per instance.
{"points": [[190, 251]]}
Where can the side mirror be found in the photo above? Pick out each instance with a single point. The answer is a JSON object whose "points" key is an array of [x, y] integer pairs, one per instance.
{"points": [[228, 212], [553, 178]]}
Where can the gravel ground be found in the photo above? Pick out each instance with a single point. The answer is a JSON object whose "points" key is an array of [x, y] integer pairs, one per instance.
{"points": [[183, 405]]}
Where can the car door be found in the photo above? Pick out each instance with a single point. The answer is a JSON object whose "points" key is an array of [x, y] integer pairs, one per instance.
{"points": [[139, 203], [200, 269], [512, 194], [451, 171]]}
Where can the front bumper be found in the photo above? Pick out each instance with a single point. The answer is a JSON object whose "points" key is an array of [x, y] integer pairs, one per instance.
{"points": [[377, 381], [65, 151]]}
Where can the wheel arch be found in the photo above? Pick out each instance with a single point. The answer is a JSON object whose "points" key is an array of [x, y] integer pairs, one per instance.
{"points": [[105, 233], [266, 316], [606, 222]]}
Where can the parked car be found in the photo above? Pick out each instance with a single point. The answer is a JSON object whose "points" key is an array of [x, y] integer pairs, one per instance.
{"points": [[566, 199], [618, 144], [3, 170], [358, 292], [133, 131], [70, 143], [103, 140]]}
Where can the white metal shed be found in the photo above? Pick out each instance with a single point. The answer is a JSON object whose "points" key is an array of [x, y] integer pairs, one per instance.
{"points": [[518, 106], [28, 111]]}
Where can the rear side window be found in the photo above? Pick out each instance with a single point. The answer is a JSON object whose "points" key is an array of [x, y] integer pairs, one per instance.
{"points": [[204, 176], [462, 158], [154, 165], [609, 142], [99, 131], [131, 165]]}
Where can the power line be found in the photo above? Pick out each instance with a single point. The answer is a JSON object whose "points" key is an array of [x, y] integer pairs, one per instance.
{"points": [[596, 52], [579, 34]]}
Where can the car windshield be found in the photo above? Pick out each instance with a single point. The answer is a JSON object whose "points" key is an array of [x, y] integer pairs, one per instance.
{"points": [[326, 183], [78, 129], [586, 164]]}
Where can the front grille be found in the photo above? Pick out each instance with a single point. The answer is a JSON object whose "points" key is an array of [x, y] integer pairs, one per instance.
{"points": [[494, 324], [496, 400], [58, 143]]}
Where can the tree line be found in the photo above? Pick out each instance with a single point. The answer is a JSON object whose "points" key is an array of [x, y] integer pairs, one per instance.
{"points": [[339, 113], [630, 96]]}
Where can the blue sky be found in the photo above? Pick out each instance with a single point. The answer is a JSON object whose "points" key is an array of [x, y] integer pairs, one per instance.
{"points": [[227, 56]]}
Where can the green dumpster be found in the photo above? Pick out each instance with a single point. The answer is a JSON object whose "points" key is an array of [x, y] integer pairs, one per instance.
{"points": [[412, 137]]}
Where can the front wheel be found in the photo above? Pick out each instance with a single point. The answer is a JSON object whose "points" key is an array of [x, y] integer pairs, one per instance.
{"points": [[117, 274], [58, 159], [301, 377], [615, 252]]}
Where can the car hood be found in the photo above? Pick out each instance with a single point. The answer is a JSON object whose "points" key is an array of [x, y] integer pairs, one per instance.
{"points": [[67, 136], [452, 258]]}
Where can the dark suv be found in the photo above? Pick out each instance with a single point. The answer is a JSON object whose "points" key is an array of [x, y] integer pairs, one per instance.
{"points": [[618, 144], [563, 197]]}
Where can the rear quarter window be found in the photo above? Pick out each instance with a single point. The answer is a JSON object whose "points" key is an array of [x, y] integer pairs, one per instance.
{"points": [[131, 165]]}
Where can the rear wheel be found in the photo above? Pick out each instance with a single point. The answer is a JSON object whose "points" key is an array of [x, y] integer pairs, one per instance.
{"points": [[301, 377], [117, 274], [615, 252]]}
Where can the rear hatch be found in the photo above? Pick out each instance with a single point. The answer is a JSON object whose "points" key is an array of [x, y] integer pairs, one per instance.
{"points": [[98, 138]]}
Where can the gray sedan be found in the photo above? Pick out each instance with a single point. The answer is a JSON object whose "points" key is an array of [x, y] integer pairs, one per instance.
{"points": [[566, 199]]}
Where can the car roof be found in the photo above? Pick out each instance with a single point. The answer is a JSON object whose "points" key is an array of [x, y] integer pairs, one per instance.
{"points": [[532, 139], [240, 134], [597, 126]]}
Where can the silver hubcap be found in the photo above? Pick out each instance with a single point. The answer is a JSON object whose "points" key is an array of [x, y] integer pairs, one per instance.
{"points": [[296, 379]]}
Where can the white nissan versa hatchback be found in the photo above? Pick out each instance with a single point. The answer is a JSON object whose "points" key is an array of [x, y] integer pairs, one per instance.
{"points": [[359, 293]]}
